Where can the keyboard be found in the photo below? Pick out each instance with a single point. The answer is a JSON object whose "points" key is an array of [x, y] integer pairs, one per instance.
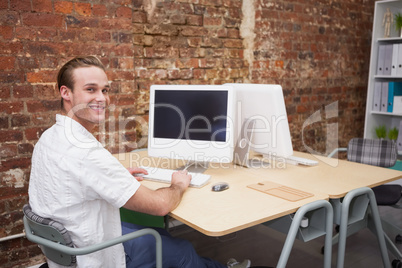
{"points": [[165, 175], [294, 160]]}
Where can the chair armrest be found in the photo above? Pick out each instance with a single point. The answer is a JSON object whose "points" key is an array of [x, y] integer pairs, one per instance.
{"points": [[336, 150], [89, 249]]}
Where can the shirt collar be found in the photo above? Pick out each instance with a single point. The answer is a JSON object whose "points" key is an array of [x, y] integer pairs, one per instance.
{"points": [[76, 133]]}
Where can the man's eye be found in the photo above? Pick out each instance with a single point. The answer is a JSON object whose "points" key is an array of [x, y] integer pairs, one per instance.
{"points": [[90, 89], [105, 91]]}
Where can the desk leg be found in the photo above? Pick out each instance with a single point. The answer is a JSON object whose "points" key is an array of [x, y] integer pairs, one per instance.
{"points": [[344, 224], [283, 259]]}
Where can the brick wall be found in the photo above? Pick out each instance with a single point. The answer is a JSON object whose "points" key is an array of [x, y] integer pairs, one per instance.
{"points": [[317, 50]]}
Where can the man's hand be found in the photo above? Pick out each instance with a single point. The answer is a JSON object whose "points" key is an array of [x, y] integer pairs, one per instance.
{"points": [[135, 171], [161, 201], [181, 178]]}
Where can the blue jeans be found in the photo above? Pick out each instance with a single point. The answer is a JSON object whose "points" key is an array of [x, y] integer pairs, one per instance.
{"points": [[140, 252]]}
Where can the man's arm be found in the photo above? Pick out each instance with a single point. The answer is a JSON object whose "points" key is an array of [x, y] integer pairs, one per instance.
{"points": [[161, 201]]}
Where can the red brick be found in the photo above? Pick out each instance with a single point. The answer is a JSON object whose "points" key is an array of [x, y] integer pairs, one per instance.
{"points": [[8, 150], [43, 119], [4, 122], [213, 22], [42, 19], [3, 4], [22, 91], [42, 5], [124, 12], [20, 120], [6, 32], [47, 91], [10, 135], [233, 43], [194, 20], [11, 107], [99, 10], [83, 9], [11, 48], [33, 134], [25, 148], [41, 77], [194, 31], [65, 7], [139, 17], [43, 33], [122, 100], [4, 92], [43, 106], [20, 5], [7, 63], [47, 48]]}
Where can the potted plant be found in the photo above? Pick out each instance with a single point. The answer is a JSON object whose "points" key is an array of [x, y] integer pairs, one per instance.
{"points": [[398, 23], [393, 134], [381, 132]]}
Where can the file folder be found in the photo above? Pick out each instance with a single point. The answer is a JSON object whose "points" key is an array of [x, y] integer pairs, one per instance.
{"points": [[380, 59], [395, 55], [388, 59], [394, 89], [397, 105], [377, 96], [399, 62], [384, 97]]}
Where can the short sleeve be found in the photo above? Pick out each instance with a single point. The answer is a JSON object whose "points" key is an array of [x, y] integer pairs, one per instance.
{"points": [[108, 178]]}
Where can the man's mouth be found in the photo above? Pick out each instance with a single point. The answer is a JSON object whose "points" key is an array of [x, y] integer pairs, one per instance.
{"points": [[97, 107]]}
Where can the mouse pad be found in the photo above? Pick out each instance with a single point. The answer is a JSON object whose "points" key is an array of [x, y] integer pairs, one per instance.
{"points": [[281, 191]]}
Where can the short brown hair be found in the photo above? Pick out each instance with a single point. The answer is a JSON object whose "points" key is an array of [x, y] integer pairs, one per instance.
{"points": [[65, 75]]}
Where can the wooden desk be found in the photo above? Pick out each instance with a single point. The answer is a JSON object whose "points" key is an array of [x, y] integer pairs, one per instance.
{"points": [[331, 176], [221, 213], [239, 207]]}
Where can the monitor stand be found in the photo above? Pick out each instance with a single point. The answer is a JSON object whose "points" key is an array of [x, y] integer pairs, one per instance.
{"points": [[242, 149], [195, 166]]}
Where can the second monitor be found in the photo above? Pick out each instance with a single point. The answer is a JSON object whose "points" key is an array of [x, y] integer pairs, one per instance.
{"points": [[261, 120]]}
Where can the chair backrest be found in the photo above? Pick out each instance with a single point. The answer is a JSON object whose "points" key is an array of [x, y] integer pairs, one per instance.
{"points": [[50, 230], [375, 152]]}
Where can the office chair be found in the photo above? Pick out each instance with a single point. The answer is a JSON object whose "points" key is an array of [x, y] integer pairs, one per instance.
{"points": [[57, 245], [381, 153]]}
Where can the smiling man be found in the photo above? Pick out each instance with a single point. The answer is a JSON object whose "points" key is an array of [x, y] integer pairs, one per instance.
{"points": [[77, 182], [87, 103]]}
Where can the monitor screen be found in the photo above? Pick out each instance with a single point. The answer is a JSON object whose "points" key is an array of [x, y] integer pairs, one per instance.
{"points": [[191, 114], [191, 122]]}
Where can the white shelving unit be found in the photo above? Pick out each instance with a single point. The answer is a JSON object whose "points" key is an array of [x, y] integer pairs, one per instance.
{"points": [[374, 119]]}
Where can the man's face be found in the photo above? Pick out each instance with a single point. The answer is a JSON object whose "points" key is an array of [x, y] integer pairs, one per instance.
{"points": [[90, 96]]}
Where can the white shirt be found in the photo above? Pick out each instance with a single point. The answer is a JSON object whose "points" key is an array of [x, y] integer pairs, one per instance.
{"points": [[75, 181]]}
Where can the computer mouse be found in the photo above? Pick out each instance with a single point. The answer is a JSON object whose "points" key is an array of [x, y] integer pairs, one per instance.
{"points": [[219, 187]]}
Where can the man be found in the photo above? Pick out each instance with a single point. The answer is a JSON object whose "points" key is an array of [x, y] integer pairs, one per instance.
{"points": [[77, 182]]}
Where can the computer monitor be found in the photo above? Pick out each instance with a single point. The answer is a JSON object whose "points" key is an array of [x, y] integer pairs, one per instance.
{"points": [[191, 122], [265, 104]]}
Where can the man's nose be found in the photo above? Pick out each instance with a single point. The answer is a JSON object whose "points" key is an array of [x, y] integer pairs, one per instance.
{"points": [[100, 97]]}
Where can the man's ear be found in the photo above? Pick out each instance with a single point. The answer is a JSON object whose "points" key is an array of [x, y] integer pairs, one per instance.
{"points": [[65, 93]]}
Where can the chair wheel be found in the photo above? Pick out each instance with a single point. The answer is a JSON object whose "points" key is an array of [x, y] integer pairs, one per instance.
{"points": [[398, 239], [396, 264]]}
